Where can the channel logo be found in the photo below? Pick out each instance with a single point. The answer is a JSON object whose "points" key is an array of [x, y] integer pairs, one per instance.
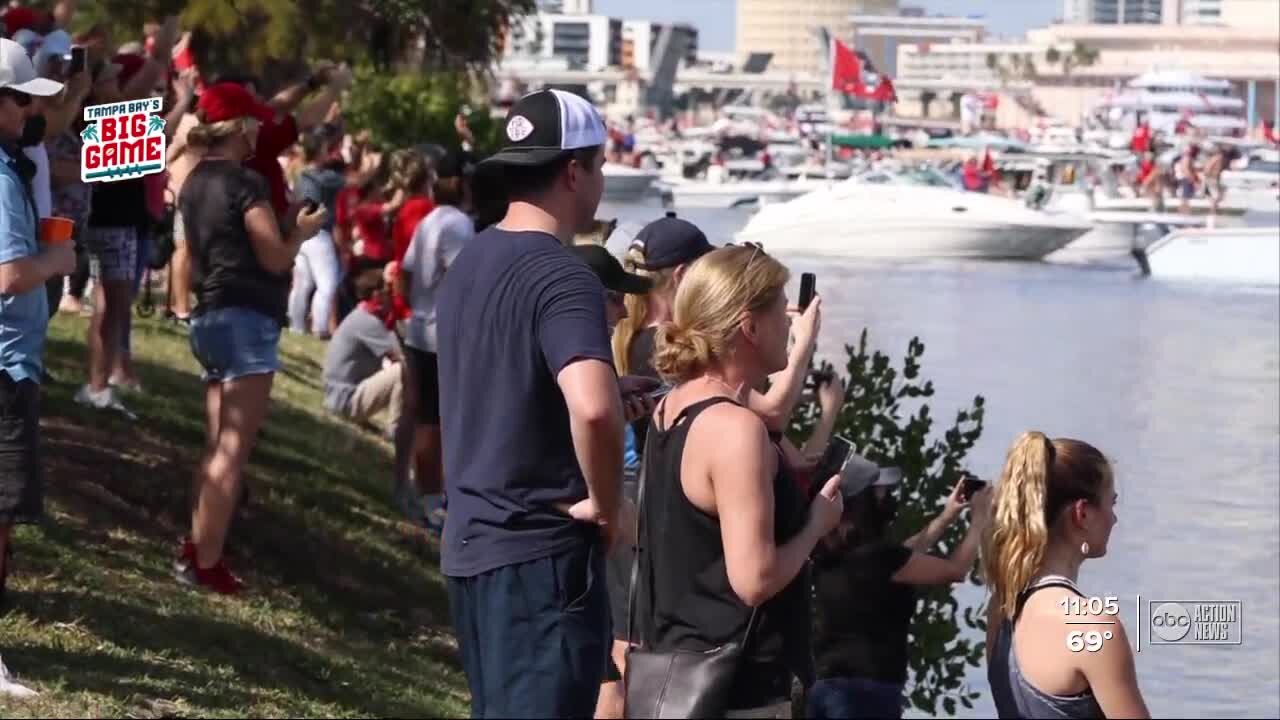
{"points": [[1195, 622]]}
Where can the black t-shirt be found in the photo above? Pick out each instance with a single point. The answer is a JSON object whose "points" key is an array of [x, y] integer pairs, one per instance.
{"points": [[514, 310], [120, 204], [862, 615], [640, 360], [226, 271]]}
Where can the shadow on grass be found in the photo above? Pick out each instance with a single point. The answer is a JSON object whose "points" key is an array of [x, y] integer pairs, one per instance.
{"points": [[319, 540], [257, 659]]}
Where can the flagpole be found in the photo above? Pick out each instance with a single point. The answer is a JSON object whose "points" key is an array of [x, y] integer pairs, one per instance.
{"points": [[831, 70]]}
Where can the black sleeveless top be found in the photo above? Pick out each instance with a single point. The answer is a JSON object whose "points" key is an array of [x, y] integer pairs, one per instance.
{"points": [[684, 581]]}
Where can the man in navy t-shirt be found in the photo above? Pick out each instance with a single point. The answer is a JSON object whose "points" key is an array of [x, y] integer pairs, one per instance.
{"points": [[531, 420]]}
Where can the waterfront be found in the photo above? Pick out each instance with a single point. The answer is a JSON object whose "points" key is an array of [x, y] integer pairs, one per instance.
{"points": [[1178, 384]]}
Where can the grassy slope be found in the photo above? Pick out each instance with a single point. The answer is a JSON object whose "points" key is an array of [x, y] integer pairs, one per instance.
{"points": [[347, 613]]}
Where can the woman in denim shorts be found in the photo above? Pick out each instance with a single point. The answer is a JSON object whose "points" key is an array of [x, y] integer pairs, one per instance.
{"points": [[241, 263]]}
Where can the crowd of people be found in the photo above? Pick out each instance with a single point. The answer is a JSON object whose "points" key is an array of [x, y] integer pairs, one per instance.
{"points": [[600, 444]]}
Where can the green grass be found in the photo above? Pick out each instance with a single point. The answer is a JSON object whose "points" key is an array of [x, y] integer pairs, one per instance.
{"points": [[346, 613]]}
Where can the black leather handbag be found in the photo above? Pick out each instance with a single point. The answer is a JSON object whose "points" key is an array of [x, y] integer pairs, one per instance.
{"points": [[671, 684]]}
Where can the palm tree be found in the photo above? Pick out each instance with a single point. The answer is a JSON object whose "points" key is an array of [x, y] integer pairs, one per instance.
{"points": [[90, 132], [1080, 56], [155, 125]]}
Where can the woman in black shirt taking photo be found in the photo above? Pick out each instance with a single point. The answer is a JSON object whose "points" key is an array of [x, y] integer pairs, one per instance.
{"points": [[241, 262], [865, 588]]}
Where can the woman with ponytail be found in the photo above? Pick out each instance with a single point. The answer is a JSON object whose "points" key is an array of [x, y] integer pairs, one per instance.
{"points": [[725, 535], [1053, 509], [241, 264]]}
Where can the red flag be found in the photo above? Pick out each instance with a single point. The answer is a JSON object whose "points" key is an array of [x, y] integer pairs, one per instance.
{"points": [[846, 71], [884, 91]]}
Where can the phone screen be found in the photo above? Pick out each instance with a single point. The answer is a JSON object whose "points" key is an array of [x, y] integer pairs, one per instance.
{"points": [[77, 60], [970, 486], [833, 461], [808, 286]]}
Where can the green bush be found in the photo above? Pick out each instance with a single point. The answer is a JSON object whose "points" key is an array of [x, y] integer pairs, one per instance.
{"points": [[874, 420], [409, 109]]}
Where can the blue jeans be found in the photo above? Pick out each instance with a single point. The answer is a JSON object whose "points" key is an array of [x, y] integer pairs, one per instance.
{"points": [[534, 637], [235, 342], [854, 698], [316, 274]]}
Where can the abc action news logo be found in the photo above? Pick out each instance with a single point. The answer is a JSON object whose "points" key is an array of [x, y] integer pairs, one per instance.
{"points": [[122, 141]]}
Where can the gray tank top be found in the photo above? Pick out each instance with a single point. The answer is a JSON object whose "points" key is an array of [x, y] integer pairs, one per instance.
{"points": [[1014, 695]]}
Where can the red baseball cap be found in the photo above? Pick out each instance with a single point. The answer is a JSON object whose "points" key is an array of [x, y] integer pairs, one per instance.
{"points": [[231, 101], [18, 18]]}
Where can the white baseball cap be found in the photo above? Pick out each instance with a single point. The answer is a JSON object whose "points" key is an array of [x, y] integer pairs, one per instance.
{"points": [[17, 72]]}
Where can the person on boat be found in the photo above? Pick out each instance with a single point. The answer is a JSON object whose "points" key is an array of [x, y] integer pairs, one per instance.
{"points": [[1213, 178], [1053, 509], [1140, 143], [1186, 177]]}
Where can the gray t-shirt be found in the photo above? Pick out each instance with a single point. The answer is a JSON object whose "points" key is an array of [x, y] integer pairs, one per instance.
{"points": [[435, 243], [355, 353]]}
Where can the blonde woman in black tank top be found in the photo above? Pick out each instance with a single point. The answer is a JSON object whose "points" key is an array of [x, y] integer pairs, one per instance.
{"points": [[724, 531]]}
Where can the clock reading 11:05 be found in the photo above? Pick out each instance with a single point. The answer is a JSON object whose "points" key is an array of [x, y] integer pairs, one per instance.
{"points": [[1089, 607]]}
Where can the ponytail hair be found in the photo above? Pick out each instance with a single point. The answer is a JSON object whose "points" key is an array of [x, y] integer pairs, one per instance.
{"points": [[1041, 478], [664, 282], [718, 289], [207, 135]]}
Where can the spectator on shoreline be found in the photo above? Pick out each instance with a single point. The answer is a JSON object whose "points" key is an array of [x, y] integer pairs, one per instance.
{"points": [[725, 534], [241, 263], [434, 245], [865, 591], [317, 270], [25, 266], [116, 237], [531, 417], [291, 114], [1054, 508], [362, 370]]}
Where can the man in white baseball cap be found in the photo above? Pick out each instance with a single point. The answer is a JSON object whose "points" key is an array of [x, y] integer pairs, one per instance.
{"points": [[26, 265], [18, 74]]}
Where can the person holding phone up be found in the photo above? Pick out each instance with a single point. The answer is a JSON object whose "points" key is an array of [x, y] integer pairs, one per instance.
{"points": [[865, 590]]}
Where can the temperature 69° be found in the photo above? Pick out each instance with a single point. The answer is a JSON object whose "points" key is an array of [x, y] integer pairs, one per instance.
{"points": [[1090, 640]]}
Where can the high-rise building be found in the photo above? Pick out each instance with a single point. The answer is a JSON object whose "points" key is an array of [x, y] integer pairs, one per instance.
{"points": [[564, 7], [1114, 12], [879, 36], [1203, 12], [1077, 12], [786, 28]]}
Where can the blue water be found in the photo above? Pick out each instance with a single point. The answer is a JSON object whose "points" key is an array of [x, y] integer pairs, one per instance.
{"points": [[1179, 384]]}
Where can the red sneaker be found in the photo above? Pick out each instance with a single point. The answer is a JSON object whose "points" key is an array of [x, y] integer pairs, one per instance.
{"points": [[217, 578], [186, 556]]}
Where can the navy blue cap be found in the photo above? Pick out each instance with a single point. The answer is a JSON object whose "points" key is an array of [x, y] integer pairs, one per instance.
{"points": [[669, 242]]}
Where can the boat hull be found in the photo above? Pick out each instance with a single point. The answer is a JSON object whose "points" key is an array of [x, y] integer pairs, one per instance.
{"points": [[1233, 256], [918, 239]]}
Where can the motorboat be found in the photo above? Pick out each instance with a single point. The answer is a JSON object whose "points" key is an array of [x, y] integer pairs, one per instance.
{"points": [[622, 183], [683, 193], [1242, 256], [870, 220]]}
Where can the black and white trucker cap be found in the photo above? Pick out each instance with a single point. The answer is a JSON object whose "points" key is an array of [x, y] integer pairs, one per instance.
{"points": [[545, 124]]}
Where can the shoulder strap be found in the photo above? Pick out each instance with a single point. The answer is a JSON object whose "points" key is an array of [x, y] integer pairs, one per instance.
{"points": [[1041, 584], [642, 530]]}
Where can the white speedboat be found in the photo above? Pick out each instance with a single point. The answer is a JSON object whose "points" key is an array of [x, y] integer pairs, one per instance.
{"points": [[683, 194], [855, 219], [622, 183], [1243, 256]]}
